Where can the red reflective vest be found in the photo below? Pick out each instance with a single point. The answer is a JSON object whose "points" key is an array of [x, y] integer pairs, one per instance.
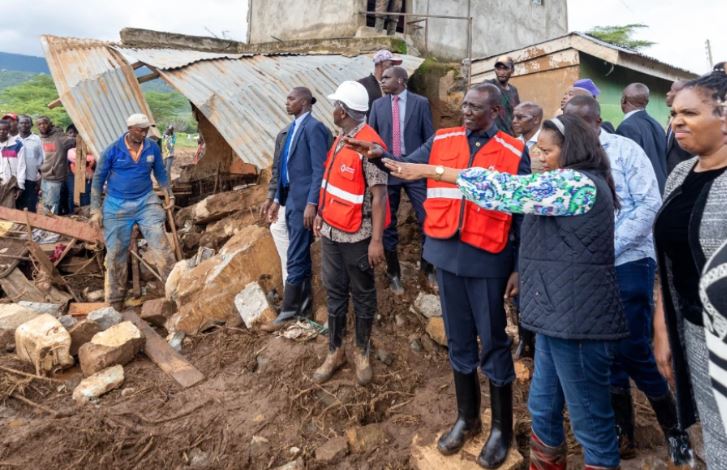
{"points": [[447, 212], [344, 185]]}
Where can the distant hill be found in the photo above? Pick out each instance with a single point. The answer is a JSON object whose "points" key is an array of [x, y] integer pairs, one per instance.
{"points": [[10, 78], [23, 63]]}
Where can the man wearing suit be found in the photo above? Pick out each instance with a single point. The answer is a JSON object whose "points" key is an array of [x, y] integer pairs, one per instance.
{"points": [[674, 153], [404, 121], [383, 59], [300, 171], [644, 129]]}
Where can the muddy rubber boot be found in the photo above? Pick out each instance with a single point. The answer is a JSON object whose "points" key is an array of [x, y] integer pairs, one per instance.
{"points": [[364, 374], [334, 360], [544, 457], [393, 271], [495, 450], [623, 409], [468, 423], [305, 310], [677, 441], [291, 303]]}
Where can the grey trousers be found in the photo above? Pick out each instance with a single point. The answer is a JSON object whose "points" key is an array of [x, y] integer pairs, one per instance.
{"points": [[715, 440]]}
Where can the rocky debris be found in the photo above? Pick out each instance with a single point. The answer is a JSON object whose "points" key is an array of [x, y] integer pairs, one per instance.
{"points": [[80, 309], [11, 317], [252, 305], [435, 329], [218, 206], [175, 340], [332, 450], [41, 307], [157, 311], [67, 321], [99, 383], [427, 343], [297, 464], [259, 445], [117, 345], [384, 356], [82, 333], [93, 295], [414, 344], [44, 343], [428, 305], [218, 233], [171, 287], [205, 294], [105, 317], [363, 439]]}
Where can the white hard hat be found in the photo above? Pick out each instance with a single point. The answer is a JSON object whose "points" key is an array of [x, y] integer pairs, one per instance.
{"points": [[138, 120], [353, 95]]}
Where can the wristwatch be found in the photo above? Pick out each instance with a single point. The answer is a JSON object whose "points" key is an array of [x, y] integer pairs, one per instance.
{"points": [[439, 172]]}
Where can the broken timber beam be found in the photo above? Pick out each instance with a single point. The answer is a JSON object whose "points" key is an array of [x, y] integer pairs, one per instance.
{"points": [[161, 354], [63, 225]]}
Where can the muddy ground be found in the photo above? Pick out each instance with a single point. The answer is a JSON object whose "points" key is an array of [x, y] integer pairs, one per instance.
{"points": [[258, 407]]}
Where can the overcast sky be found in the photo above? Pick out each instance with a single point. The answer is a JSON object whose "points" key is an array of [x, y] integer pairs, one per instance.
{"points": [[679, 28]]}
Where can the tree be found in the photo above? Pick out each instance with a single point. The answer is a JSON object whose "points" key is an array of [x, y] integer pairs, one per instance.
{"points": [[32, 98], [169, 108], [621, 36]]}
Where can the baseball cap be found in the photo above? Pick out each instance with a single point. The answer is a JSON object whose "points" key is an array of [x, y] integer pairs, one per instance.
{"points": [[353, 95], [505, 60], [12, 116], [588, 85], [138, 120], [383, 55]]}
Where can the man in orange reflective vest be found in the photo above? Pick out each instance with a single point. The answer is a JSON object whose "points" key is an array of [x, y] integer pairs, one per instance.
{"points": [[352, 213], [475, 254]]}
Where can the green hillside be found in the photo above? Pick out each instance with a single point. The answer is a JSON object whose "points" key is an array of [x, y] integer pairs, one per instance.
{"points": [[10, 78]]}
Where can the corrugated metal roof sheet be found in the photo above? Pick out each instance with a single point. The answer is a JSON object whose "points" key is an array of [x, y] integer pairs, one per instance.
{"points": [[97, 88], [242, 95]]}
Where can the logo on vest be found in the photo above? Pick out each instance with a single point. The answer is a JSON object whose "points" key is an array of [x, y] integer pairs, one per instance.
{"points": [[347, 169]]}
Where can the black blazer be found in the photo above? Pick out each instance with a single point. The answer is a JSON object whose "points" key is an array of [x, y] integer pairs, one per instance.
{"points": [[372, 88], [674, 153], [648, 133]]}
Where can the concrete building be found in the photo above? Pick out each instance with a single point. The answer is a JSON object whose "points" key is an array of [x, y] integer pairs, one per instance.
{"points": [[545, 70], [496, 25]]}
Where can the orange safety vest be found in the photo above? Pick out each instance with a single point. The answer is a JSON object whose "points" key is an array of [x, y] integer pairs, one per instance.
{"points": [[344, 185], [447, 212]]}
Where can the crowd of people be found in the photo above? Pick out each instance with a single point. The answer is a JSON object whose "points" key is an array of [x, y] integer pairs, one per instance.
{"points": [[610, 241]]}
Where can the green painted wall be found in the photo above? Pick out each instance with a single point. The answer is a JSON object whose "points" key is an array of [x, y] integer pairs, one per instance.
{"points": [[613, 79]]}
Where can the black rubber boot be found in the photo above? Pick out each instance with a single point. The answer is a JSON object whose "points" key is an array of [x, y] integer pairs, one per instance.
{"points": [[623, 408], [291, 303], [393, 270], [468, 423], [305, 310], [677, 441], [494, 452], [431, 279]]}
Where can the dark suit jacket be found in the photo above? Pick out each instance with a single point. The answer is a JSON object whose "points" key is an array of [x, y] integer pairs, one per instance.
{"points": [[306, 162], [648, 133], [417, 123], [372, 88], [674, 153]]}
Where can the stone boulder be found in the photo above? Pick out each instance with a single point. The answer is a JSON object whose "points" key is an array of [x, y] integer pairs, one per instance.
{"points": [[205, 294], [105, 318], [428, 305], [435, 330], [99, 383], [157, 311], [82, 333], [44, 343], [252, 305], [117, 345]]}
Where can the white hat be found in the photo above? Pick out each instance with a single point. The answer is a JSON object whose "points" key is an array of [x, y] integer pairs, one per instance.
{"points": [[138, 120], [353, 95]]}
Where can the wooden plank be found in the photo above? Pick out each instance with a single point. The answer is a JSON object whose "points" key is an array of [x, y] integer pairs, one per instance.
{"points": [[80, 309], [17, 287], [161, 354], [79, 179], [63, 225]]}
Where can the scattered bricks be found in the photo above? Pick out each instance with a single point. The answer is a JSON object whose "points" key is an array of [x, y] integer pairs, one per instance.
{"points": [[105, 318], [117, 345], [332, 451], [44, 343], [39, 307], [99, 383], [157, 311], [428, 305], [435, 329], [366, 438], [11, 317], [253, 307], [82, 333]]}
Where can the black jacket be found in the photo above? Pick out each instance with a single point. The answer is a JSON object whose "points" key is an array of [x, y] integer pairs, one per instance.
{"points": [[648, 133]]}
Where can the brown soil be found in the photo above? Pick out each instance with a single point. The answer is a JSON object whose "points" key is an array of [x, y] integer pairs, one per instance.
{"points": [[257, 385]]}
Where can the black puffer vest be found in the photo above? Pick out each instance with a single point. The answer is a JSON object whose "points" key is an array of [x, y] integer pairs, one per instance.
{"points": [[568, 285]]}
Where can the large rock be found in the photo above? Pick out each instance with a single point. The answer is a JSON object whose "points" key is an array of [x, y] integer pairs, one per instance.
{"points": [[252, 305], [105, 317], [218, 206], [218, 233], [205, 294], [82, 333], [157, 311], [11, 317], [428, 305], [435, 330], [117, 345], [99, 383], [180, 269], [44, 343]]}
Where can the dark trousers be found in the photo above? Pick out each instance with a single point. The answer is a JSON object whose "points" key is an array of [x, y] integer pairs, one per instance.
{"points": [[299, 261], [473, 307], [29, 197], [417, 192], [70, 187], [346, 269], [634, 357]]}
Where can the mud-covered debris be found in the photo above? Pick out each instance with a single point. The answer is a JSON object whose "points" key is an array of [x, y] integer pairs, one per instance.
{"points": [[44, 343], [117, 345], [99, 383]]}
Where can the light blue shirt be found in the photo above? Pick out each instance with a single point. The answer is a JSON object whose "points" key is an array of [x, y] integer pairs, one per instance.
{"points": [[298, 120], [33, 156], [402, 117], [638, 193]]}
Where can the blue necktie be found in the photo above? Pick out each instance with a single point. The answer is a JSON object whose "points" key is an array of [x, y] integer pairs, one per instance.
{"points": [[284, 156]]}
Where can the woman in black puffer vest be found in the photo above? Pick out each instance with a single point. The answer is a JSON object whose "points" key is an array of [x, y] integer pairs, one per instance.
{"points": [[569, 295]]}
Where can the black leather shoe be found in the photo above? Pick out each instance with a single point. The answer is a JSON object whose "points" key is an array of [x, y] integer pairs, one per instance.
{"points": [[393, 271], [468, 423], [291, 303], [494, 452], [677, 440]]}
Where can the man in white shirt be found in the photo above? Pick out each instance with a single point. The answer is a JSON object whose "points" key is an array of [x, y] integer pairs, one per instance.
{"points": [[33, 151], [12, 164]]}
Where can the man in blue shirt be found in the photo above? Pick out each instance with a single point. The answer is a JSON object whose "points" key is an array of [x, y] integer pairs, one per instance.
{"points": [[126, 167]]}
